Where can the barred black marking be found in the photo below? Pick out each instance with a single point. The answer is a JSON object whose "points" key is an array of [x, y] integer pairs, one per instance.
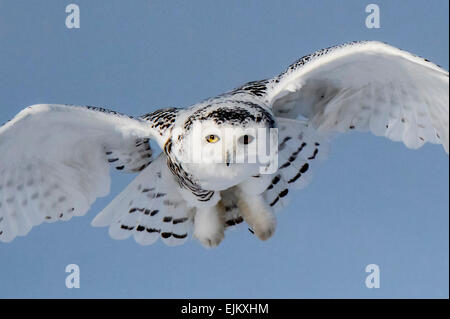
{"points": [[233, 112], [179, 220], [182, 236], [293, 179], [127, 227], [299, 149], [234, 221], [301, 171], [314, 154], [274, 201], [162, 119], [135, 160], [304, 168], [167, 219], [154, 212], [293, 156], [256, 88], [287, 164], [275, 181], [284, 193]]}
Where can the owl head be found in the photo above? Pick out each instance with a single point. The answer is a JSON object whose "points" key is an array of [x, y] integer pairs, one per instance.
{"points": [[225, 143]]}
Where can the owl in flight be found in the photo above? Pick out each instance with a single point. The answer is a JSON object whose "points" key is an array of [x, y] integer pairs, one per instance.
{"points": [[55, 159]]}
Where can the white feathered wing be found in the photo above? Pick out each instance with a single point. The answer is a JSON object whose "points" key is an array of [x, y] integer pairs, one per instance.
{"points": [[54, 162], [366, 86]]}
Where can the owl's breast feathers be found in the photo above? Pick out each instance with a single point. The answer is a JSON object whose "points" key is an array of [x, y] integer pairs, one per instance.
{"points": [[183, 178]]}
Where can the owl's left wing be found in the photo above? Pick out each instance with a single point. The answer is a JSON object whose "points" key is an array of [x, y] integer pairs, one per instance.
{"points": [[366, 86], [55, 162]]}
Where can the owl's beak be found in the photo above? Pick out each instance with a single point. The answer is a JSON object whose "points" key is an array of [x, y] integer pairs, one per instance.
{"points": [[227, 161]]}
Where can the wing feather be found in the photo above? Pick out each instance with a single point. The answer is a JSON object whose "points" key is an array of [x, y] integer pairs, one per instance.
{"points": [[367, 86], [54, 162], [149, 208]]}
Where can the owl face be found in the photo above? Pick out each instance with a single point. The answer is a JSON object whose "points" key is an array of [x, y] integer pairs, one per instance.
{"points": [[227, 146]]}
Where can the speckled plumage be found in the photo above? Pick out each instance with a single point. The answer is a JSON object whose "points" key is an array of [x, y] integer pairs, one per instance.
{"points": [[365, 86]]}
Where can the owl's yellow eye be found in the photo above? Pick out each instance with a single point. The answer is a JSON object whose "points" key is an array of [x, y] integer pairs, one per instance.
{"points": [[212, 138]]}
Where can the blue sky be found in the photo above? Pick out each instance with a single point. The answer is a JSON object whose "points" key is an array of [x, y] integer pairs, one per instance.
{"points": [[372, 201]]}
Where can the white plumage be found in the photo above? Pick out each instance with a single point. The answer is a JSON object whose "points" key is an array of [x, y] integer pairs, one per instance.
{"points": [[367, 86], [56, 158], [53, 163]]}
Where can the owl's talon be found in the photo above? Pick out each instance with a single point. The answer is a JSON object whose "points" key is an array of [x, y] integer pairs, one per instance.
{"points": [[264, 232], [211, 242], [209, 226], [258, 215]]}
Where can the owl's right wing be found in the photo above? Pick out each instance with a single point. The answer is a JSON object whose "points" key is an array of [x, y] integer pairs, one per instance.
{"points": [[55, 161]]}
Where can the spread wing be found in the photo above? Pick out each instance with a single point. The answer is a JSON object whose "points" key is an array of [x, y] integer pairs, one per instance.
{"points": [[55, 161], [366, 86]]}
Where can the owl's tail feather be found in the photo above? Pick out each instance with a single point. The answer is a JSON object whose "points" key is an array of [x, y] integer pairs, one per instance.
{"points": [[149, 208]]}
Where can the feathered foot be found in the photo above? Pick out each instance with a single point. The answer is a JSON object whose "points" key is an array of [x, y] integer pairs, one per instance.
{"points": [[209, 226], [258, 215]]}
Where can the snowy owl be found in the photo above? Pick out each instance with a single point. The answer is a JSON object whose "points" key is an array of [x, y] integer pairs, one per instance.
{"points": [[55, 159]]}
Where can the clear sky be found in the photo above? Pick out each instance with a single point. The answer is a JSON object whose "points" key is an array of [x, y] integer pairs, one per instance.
{"points": [[372, 202]]}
